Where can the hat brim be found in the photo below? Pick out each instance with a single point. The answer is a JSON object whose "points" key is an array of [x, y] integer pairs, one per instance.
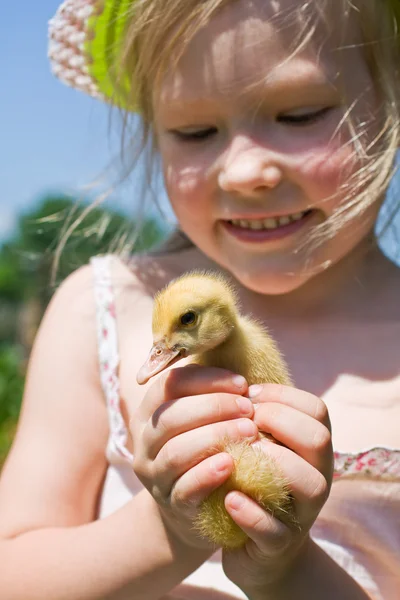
{"points": [[85, 42]]}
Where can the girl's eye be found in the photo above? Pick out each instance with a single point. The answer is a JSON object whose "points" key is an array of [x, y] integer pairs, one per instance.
{"points": [[304, 118], [195, 135]]}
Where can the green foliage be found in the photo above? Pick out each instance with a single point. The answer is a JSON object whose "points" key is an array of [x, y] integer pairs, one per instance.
{"points": [[11, 389], [26, 263], [10, 283], [11, 382], [60, 223], [73, 232]]}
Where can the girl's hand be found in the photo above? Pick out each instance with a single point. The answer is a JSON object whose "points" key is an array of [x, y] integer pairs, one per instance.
{"points": [[301, 423], [177, 431]]}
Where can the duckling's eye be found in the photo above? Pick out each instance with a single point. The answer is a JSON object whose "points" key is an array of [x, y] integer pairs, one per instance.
{"points": [[188, 318]]}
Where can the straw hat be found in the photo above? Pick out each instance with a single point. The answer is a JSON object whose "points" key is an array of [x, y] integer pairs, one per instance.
{"points": [[85, 37]]}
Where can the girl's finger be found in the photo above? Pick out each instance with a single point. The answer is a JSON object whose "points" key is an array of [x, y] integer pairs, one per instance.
{"points": [[185, 451], [300, 432], [289, 396], [191, 380], [197, 483], [185, 414], [308, 486], [270, 535]]}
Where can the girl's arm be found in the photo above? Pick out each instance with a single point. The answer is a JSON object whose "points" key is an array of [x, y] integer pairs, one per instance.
{"points": [[126, 556], [50, 544]]}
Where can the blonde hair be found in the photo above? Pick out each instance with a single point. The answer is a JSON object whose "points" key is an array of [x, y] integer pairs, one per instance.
{"points": [[160, 30]]}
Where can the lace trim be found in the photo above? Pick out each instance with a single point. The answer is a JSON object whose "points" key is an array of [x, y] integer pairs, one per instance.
{"points": [[107, 340], [376, 462]]}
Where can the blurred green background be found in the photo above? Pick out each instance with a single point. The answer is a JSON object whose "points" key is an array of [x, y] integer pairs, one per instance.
{"points": [[26, 282]]}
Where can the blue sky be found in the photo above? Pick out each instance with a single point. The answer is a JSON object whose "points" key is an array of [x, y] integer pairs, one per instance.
{"points": [[53, 138]]}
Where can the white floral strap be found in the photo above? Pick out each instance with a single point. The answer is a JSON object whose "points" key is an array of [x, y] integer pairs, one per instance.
{"points": [[107, 338], [377, 462]]}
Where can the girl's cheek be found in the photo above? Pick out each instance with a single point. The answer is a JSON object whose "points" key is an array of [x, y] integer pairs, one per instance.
{"points": [[182, 182], [326, 171], [187, 176]]}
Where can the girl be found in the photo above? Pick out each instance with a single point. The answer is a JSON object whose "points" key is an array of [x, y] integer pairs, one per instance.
{"points": [[277, 124]]}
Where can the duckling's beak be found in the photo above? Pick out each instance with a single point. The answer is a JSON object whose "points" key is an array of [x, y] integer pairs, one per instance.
{"points": [[159, 358]]}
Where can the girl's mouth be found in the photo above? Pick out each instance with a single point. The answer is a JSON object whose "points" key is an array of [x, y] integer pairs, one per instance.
{"points": [[273, 228]]}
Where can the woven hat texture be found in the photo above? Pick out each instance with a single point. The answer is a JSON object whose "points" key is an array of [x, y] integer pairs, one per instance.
{"points": [[84, 40]]}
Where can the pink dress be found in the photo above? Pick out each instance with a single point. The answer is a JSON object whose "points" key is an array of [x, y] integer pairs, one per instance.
{"points": [[359, 527]]}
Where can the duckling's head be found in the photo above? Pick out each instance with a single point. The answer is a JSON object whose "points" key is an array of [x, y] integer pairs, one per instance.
{"points": [[193, 314]]}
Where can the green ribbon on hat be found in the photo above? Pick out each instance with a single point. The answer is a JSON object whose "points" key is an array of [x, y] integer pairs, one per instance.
{"points": [[108, 29]]}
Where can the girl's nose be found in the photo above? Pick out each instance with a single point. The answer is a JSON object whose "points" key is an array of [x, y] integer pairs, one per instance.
{"points": [[250, 172]]}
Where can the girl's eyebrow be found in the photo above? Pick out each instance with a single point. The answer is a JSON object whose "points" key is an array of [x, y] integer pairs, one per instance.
{"points": [[288, 84], [282, 90], [294, 75]]}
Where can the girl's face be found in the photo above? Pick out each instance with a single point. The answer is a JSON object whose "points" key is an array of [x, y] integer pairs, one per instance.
{"points": [[253, 146]]}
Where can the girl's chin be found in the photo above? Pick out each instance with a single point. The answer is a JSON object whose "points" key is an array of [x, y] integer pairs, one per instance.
{"points": [[271, 286], [273, 281], [265, 275]]}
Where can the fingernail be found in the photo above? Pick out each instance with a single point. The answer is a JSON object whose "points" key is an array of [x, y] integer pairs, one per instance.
{"points": [[219, 463], [245, 406], [254, 390], [235, 501], [239, 381], [247, 428]]}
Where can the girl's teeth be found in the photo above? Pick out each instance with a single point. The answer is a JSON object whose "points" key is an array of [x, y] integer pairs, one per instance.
{"points": [[297, 216], [256, 225], [271, 223], [284, 220]]}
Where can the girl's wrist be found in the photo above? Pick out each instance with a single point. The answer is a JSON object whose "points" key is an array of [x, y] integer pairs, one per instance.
{"points": [[313, 575], [182, 546], [284, 580], [271, 581]]}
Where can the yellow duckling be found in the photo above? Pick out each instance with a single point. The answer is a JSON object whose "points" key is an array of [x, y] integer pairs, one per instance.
{"points": [[197, 315]]}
